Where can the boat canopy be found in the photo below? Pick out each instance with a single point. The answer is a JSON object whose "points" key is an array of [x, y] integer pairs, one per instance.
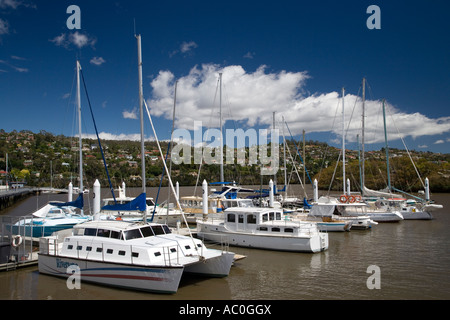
{"points": [[137, 204]]}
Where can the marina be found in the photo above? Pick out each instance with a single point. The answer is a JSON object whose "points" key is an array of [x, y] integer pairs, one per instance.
{"points": [[412, 256]]}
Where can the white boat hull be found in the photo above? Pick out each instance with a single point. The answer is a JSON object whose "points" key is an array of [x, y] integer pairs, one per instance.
{"points": [[146, 278], [416, 215], [218, 266], [385, 216], [315, 243]]}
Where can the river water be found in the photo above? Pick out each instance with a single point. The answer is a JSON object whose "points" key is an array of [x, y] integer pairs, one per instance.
{"points": [[412, 257]]}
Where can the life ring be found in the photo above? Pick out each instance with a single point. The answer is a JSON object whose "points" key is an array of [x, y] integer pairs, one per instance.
{"points": [[351, 199], [358, 198], [16, 241], [343, 198]]}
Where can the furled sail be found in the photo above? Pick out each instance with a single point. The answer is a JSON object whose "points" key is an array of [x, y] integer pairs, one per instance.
{"points": [[137, 204], [373, 193], [79, 203]]}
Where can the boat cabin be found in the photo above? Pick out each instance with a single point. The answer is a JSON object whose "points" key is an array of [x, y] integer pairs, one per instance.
{"points": [[123, 242], [258, 220], [195, 204]]}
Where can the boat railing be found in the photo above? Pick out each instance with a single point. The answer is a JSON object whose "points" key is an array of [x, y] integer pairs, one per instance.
{"points": [[223, 240]]}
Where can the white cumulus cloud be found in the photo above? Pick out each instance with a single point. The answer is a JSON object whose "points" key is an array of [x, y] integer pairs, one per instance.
{"points": [[252, 97], [98, 61], [130, 114], [76, 39]]}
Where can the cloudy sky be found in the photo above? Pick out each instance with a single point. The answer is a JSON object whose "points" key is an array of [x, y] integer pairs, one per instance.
{"points": [[288, 57]]}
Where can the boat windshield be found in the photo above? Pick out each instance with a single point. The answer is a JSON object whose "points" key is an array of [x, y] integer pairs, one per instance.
{"points": [[143, 232], [147, 231]]}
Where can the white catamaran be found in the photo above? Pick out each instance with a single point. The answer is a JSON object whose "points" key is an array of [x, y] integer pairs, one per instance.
{"points": [[139, 255]]}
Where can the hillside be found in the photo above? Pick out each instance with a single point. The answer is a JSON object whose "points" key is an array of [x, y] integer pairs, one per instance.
{"points": [[40, 159]]}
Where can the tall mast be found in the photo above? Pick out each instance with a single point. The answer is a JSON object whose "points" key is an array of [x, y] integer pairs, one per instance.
{"points": [[141, 109], [343, 144], [387, 148], [274, 175], [362, 134], [221, 133], [171, 141], [79, 126]]}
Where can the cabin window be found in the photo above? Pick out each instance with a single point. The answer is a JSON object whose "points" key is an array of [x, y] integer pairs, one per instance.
{"points": [[121, 252], [199, 245], [109, 251], [265, 217], [290, 230], [231, 217], [132, 234], [78, 232], [157, 254], [70, 247], [147, 232], [103, 233], [187, 247], [166, 229], [158, 230], [278, 214], [173, 250], [115, 234], [276, 229], [251, 218], [99, 250], [262, 228], [241, 218], [88, 248], [79, 247], [90, 232], [271, 216], [135, 254]]}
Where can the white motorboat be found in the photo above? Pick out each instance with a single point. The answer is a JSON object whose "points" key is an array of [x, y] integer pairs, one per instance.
{"points": [[136, 256], [52, 217], [263, 228]]}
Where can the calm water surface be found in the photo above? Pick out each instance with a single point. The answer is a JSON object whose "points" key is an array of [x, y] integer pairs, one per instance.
{"points": [[413, 258]]}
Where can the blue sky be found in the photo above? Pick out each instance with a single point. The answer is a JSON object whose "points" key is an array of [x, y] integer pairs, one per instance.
{"points": [[288, 57]]}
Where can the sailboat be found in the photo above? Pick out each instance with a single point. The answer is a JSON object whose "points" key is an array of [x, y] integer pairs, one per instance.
{"points": [[375, 211], [56, 216], [132, 255], [409, 209], [350, 214]]}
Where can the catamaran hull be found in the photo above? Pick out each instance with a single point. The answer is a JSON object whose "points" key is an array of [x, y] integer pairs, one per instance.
{"points": [[217, 266], [385, 216], [417, 215], [142, 278]]}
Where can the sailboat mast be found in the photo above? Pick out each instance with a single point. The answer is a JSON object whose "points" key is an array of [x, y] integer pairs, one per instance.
{"points": [[141, 109], [221, 133], [362, 135], [387, 148], [171, 141], [343, 144], [79, 126]]}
